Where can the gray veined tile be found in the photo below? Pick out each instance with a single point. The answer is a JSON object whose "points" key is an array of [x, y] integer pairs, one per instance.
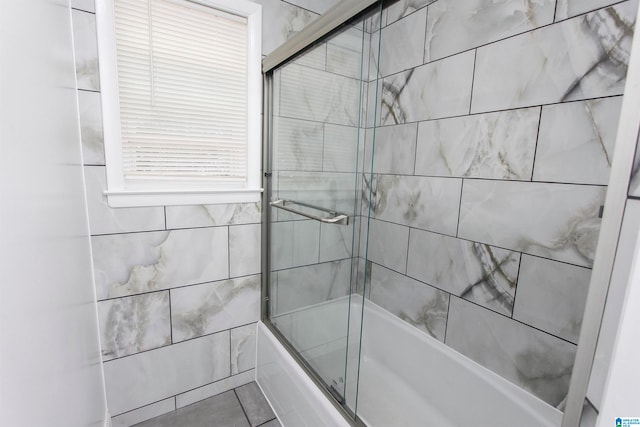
{"points": [[188, 216], [254, 403], [145, 413], [211, 307], [104, 219], [134, 324], [569, 8], [298, 145], [128, 264], [345, 53], [583, 57], [86, 50], [86, 5], [416, 303], [494, 145], [316, 6], [294, 243], [557, 221], [394, 149], [328, 190], [212, 389], [534, 360], [576, 141], [454, 26], [403, 8], [244, 249], [552, 296], [144, 378], [428, 203], [473, 271], [91, 127], [310, 94], [336, 241], [436, 90], [402, 44], [314, 58], [304, 286], [388, 244], [340, 149], [243, 348], [284, 20]]}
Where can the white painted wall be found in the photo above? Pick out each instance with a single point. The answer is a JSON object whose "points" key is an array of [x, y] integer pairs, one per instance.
{"points": [[50, 371]]}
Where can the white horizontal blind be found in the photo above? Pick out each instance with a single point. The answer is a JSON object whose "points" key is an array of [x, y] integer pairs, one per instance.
{"points": [[182, 76]]}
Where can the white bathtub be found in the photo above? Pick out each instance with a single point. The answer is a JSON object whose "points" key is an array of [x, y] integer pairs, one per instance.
{"points": [[406, 377]]}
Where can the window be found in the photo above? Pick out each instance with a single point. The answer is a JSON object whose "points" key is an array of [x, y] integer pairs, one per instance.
{"points": [[181, 98]]}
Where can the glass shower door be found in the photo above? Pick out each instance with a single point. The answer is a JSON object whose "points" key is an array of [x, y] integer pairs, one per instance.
{"points": [[316, 150]]}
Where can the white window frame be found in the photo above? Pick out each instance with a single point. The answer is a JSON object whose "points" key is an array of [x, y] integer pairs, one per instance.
{"points": [[117, 193]]}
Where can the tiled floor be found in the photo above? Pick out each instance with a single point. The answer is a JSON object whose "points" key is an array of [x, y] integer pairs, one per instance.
{"points": [[242, 407]]}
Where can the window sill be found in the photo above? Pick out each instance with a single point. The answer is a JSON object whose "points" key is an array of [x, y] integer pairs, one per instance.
{"points": [[125, 198]]}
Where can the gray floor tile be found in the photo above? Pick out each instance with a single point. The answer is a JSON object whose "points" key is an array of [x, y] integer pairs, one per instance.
{"points": [[222, 410], [272, 423], [254, 403]]}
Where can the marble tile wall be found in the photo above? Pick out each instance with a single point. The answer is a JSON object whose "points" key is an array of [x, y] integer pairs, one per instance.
{"points": [[178, 286], [491, 152]]}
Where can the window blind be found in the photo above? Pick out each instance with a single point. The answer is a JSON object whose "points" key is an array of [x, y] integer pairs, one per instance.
{"points": [[182, 77]]}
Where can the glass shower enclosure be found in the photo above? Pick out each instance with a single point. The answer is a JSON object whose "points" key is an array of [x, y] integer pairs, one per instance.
{"points": [[318, 103]]}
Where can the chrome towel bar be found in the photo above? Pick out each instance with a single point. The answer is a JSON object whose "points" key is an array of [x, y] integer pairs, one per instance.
{"points": [[333, 218]]}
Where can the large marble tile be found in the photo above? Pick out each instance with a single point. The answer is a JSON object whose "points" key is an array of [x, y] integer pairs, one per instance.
{"points": [[310, 94], [394, 149], [297, 145], [418, 304], [552, 296], [584, 57], [537, 362], [145, 413], [557, 221], [473, 271], [91, 127], [341, 148], [403, 8], [494, 145], [200, 393], [336, 241], [576, 141], [243, 348], [244, 249], [211, 307], [402, 45], [422, 202], [436, 90], [454, 26], [304, 286], [280, 21], [569, 8], [104, 219], [328, 190], [127, 264], [144, 378], [316, 6], [207, 215], [314, 58], [345, 53], [387, 245], [134, 324], [85, 46], [294, 243]]}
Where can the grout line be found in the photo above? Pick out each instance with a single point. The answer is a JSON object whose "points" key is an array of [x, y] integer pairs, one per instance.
{"points": [[555, 11], [535, 149], [515, 291], [183, 286], [165, 217], [473, 78], [241, 406], [170, 319], [446, 324], [170, 229], [459, 207]]}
